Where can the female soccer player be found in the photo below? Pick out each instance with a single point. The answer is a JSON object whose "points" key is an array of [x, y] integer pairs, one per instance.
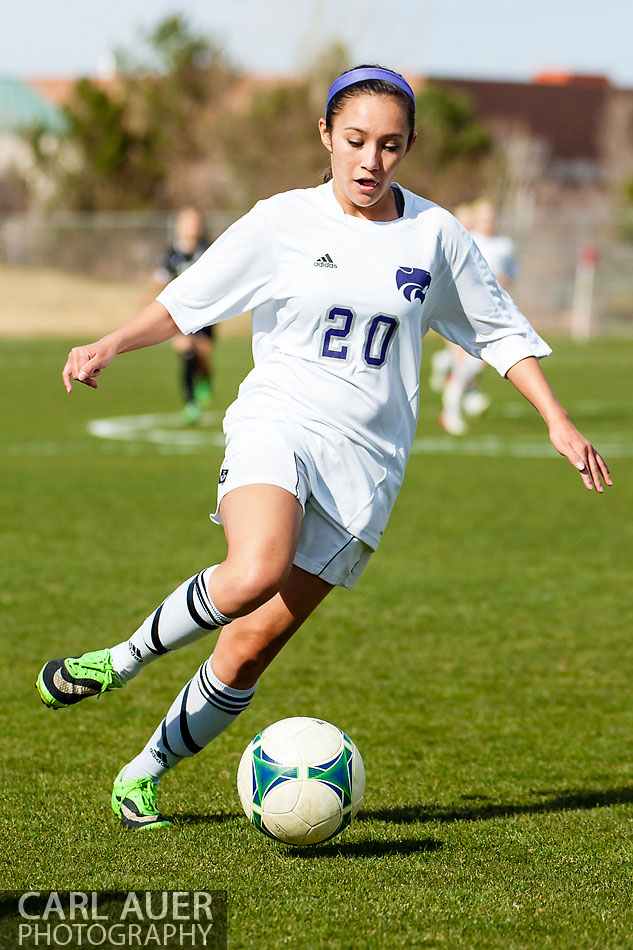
{"points": [[343, 281]]}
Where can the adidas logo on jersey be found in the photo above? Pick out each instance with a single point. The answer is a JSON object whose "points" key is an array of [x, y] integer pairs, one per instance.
{"points": [[325, 261]]}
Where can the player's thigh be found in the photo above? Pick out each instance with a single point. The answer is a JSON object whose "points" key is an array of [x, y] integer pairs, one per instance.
{"points": [[262, 525], [247, 646]]}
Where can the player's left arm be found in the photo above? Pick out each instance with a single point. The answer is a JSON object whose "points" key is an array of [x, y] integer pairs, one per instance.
{"points": [[528, 378]]}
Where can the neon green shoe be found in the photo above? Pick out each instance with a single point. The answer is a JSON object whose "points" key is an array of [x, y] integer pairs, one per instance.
{"points": [[203, 393], [134, 802], [191, 413], [68, 680]]}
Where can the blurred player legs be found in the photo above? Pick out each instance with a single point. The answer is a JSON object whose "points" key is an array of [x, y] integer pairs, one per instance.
{"points": [[455, 373], [195, 350], [460, 395]]}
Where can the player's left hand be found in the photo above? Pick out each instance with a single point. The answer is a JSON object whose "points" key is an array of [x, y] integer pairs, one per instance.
{"points": [[85, 363], [571, 443]]}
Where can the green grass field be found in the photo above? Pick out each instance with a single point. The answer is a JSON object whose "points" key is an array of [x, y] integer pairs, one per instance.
{"points": [[483, 666]]}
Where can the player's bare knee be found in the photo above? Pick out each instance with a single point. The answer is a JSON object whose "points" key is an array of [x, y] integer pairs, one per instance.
{"points": [[250, 655], [255, 582], [247, 669], [263, 578]]}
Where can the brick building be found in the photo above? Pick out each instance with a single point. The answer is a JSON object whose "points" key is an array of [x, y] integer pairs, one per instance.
{"points": [[576, 131]]}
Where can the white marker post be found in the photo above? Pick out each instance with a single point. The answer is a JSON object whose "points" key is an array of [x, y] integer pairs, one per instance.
{"points": [[582, 323]]}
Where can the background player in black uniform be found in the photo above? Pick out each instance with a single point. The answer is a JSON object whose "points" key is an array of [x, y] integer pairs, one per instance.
{"points": [[195, 350]]}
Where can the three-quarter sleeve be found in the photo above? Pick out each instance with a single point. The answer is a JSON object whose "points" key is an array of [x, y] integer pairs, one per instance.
{"points": [[234, 275], [470, 308]]}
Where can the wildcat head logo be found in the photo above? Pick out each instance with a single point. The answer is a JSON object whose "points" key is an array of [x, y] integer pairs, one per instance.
{"points": [[413, 282]]}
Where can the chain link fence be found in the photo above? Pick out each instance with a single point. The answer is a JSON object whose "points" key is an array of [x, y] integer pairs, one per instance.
{"points": [[115, 245], [575, 264], [576, 269]]}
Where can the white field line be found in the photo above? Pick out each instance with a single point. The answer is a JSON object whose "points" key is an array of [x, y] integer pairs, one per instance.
{"points": [[159, 428], [488, 447], [492, 447], [166, 435]]}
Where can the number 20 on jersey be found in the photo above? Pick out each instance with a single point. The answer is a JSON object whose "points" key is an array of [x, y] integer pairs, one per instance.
{"points": [[379, 335]]}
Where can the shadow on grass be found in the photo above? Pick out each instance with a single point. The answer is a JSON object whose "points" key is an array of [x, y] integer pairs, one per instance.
{"points": [[345, 849], [189, 819], [547, 801], [366, 849]]}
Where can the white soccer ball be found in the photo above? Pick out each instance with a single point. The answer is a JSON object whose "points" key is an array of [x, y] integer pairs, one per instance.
{"points": [[301, 780]]}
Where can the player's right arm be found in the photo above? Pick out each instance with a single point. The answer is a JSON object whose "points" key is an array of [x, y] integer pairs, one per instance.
{"points": [[153, 324]]}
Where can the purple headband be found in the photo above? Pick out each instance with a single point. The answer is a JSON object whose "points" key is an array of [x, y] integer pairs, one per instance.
{"points": [[368, 72]]}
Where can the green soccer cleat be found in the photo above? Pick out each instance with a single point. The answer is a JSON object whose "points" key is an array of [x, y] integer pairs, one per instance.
{"points": [[68, 680], [191, 413], [134, 802], [203, 393]]}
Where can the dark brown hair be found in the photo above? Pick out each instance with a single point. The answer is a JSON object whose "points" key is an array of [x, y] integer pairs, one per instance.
{"points": [[374, 87]]}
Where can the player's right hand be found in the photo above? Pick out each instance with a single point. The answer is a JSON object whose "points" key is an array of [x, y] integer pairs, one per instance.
{"points": [[85, 363]]}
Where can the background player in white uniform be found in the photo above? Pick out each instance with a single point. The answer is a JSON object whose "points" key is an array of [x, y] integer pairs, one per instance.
{"points": [[454, 372], [497, 249], [343, 281]]}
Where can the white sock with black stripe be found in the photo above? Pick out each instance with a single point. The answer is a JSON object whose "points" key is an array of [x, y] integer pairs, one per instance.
{"points": [[200, 712], [186, 615]]}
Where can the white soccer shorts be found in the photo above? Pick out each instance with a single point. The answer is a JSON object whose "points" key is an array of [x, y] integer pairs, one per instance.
{"points": [[325, 548]]}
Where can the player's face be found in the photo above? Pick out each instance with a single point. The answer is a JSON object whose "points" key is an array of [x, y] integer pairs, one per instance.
{"points": [[485, 221], [367, 142], [188, 229]]}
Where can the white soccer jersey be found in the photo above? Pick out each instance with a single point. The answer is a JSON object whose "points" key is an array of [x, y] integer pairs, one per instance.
{"points": [[339, 307]]}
